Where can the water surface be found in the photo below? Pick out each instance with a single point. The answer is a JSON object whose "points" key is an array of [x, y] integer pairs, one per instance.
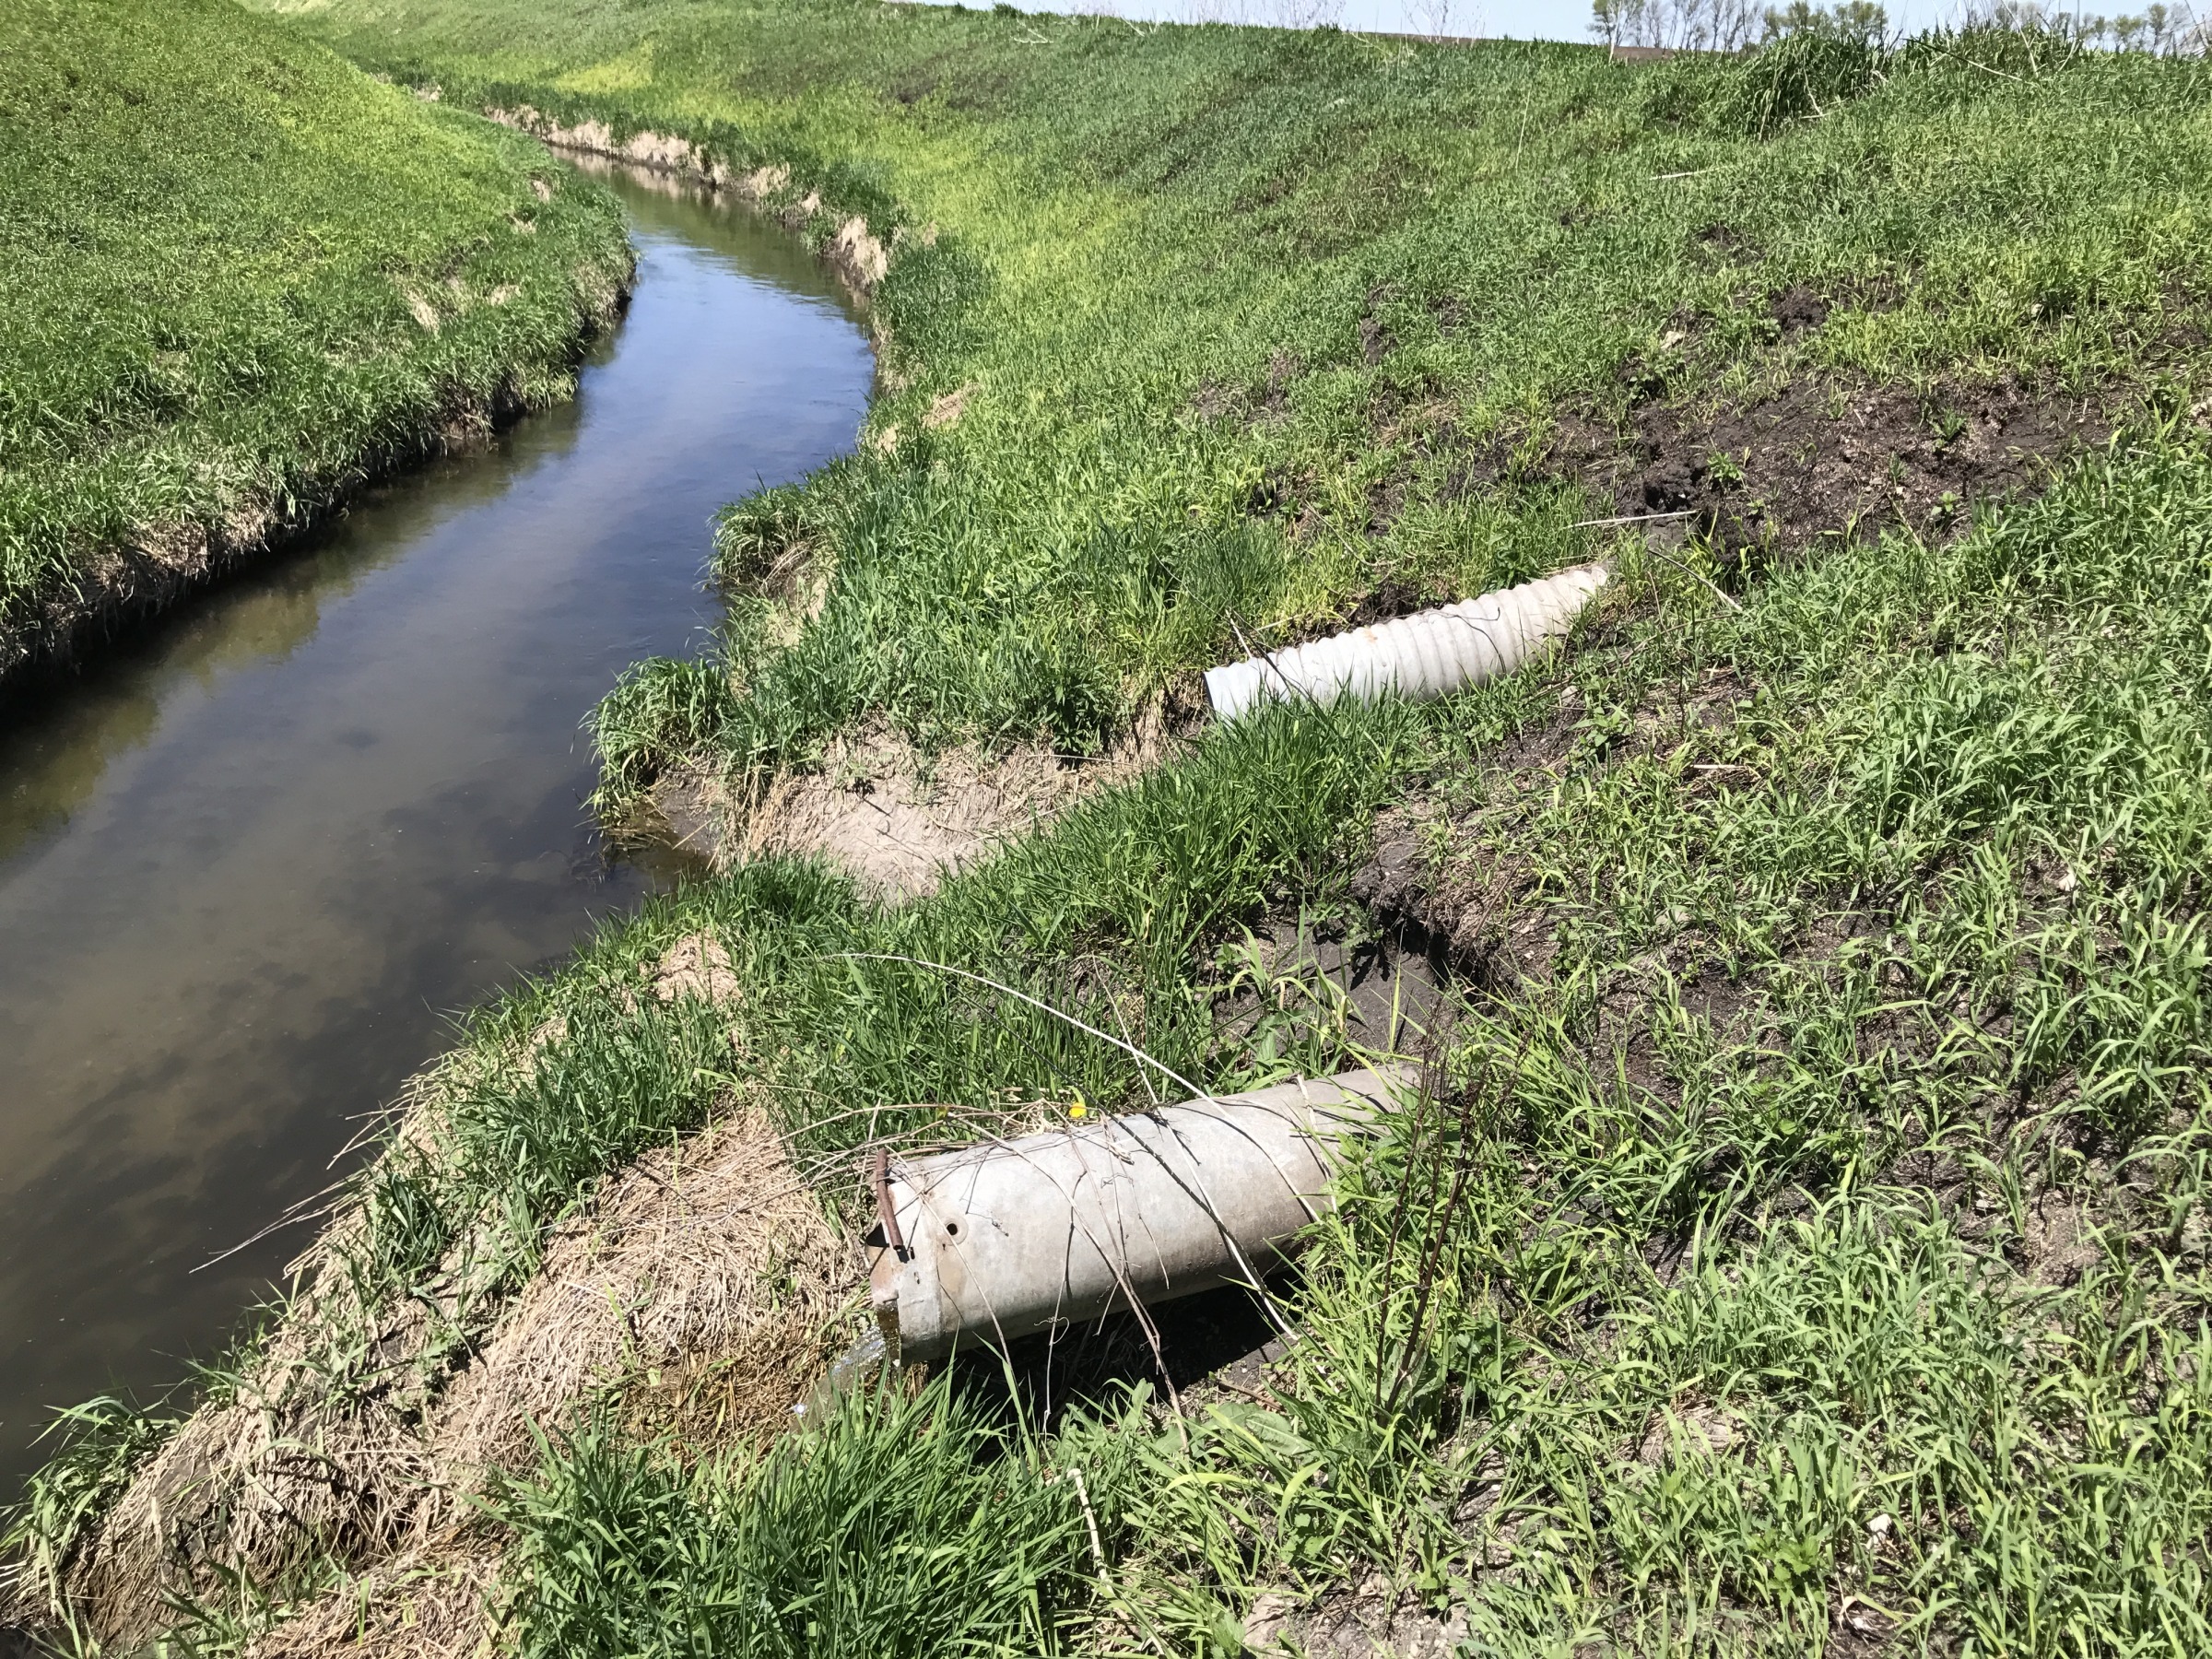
{"points": [[251, 864]]}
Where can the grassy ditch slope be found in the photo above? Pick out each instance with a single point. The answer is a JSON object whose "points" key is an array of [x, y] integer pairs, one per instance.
{"points": [[241, 277], [1801, 1244]]}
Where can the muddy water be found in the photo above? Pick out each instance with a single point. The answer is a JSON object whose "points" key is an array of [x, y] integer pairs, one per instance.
{"points": [[249, 867]]}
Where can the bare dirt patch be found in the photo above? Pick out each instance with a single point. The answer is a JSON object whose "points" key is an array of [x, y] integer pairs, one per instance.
{"points": [[697, 808], [711, 1253], [1365, 1618], [900, 822], [945, 410], [897, 821], [1441, 897], [696, 965], [1821, 458], [1294, 979]]}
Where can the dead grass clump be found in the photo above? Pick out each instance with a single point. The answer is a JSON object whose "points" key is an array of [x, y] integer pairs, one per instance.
{"points": [[711, 1248], [696, 965], [710, 1253], [434, 1603], [264, 1480]]}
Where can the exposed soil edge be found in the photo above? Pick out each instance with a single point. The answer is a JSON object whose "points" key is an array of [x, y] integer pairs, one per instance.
{"points": [[158, 565], [858, 256]]}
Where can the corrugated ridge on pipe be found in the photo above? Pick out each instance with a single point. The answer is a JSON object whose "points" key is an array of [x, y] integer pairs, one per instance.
{"points": [[1425, 655]]}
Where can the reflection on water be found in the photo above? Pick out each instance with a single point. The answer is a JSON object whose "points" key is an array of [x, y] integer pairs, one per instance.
{"points": [[248, 864]]}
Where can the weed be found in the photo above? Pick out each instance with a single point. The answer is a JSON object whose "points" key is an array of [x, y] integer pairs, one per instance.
{"points": [[897, 1524]]}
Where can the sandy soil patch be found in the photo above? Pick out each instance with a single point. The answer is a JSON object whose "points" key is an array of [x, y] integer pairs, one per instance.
{"points": [[943, 411], [708, 1266], [900, 822], [895, 820]]}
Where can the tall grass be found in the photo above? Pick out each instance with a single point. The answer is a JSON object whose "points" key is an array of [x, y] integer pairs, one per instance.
{"points": [[1252, 326], [896, 1525]]}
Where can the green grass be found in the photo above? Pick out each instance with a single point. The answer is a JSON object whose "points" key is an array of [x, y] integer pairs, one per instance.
{"points": [[1162, 260], [1808, 1248], [242, 275], [898, 1526]]}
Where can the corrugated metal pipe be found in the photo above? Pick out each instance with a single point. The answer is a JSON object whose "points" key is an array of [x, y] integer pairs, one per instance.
{"points": [[988, 1242], [1419, 656]]}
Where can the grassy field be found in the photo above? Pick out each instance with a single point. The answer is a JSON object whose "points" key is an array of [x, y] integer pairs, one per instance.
{"points": [[243, 276], [1805, 1248]]}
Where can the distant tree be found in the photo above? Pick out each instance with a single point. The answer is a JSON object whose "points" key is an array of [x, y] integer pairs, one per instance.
{"points": [[1848, 19], [1682, 25], [2164, 31], [1441, 19]]}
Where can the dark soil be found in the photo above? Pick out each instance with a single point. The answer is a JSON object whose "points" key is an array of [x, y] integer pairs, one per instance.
{"points": [[1217, 1343], [1455, 912], [1798, 311], [1820, 458], [1390, 598], [1375, 340], [1391, 994]]}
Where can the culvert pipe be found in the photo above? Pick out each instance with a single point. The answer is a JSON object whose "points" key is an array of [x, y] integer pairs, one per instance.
{"points": [[1426, 655], [1004, 1239]]}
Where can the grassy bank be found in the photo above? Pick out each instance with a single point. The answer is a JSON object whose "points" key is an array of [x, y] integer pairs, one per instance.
{"points": [[243, 276], [1804, 1247]]}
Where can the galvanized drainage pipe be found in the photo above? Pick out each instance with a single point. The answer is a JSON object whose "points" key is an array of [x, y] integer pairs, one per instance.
{"points": [[1419, 656], [1004, 1239]]}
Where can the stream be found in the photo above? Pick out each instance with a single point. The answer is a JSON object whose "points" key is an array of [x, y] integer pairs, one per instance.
{"points": [[254, 858]]}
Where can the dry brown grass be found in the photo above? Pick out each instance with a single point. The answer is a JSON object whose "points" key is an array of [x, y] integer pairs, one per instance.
{"points": [[434, 1602], [700, 1291]]}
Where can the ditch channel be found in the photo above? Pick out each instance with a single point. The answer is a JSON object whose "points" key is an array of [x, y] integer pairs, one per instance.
{"points": [[254, 858]]}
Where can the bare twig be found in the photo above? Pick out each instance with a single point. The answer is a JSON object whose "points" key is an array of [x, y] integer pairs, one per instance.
{"points": [[1098, 1550], [1635, 518]]}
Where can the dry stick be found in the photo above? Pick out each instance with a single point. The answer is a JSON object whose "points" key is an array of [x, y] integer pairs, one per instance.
{"points": [[1434, 1250], [1635, 518], [1399, 1211], [1425, 1285], [1098, 1550], [886, 1211], [1429, 1099], [337, 1193]]}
